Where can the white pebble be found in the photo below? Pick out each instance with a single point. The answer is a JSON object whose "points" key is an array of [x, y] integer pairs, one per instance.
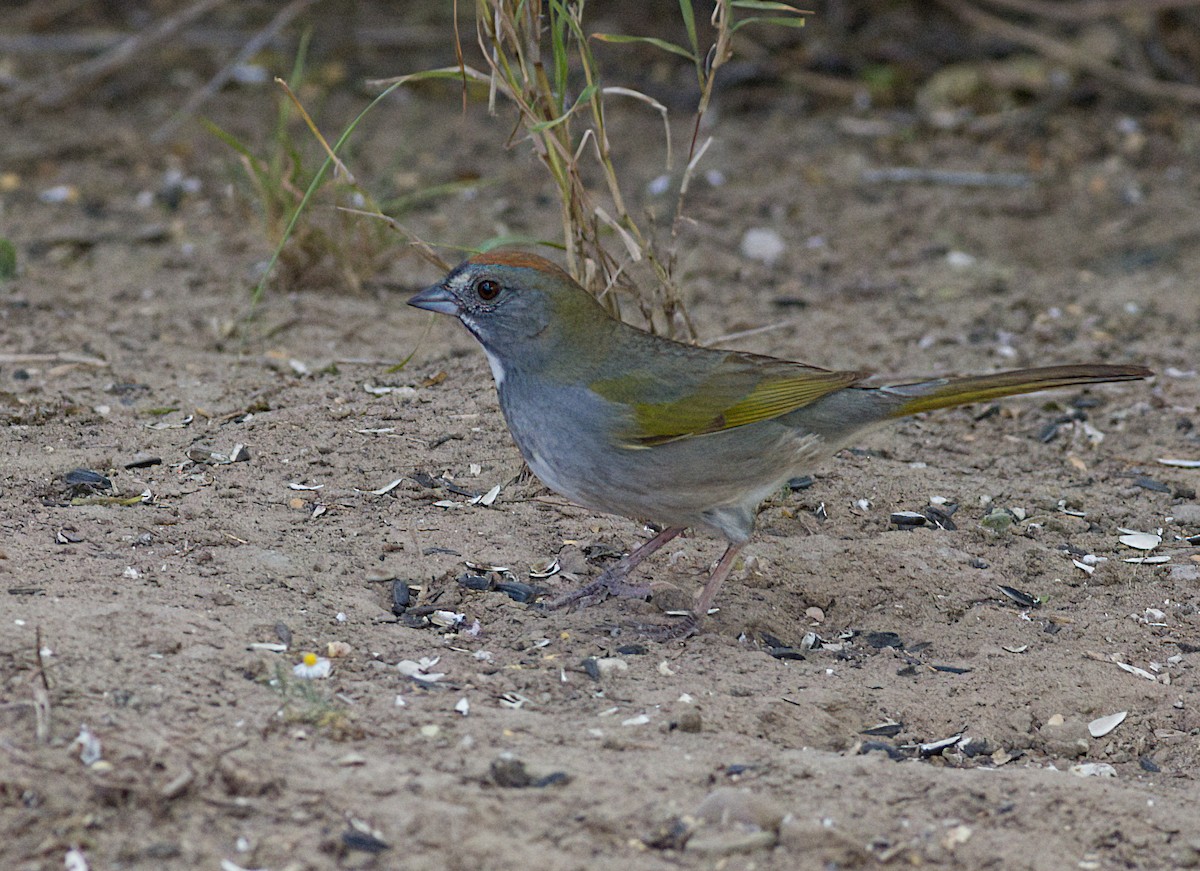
{"points": [[762, 244]]}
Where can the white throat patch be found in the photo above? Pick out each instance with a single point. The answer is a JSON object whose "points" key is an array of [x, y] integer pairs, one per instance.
{"points": [[497, 367]]}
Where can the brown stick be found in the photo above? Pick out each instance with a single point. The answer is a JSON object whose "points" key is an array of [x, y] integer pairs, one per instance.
{"points": [[1088, 10], [1065, 54], [52, 92], [210, 38], [251, 48]]}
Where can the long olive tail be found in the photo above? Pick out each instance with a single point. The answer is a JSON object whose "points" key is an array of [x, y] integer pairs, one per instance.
{"points": [[947, 392]]}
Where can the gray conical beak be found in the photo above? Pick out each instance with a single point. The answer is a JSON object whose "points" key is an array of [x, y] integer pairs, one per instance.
{"points": [[436, 299]]}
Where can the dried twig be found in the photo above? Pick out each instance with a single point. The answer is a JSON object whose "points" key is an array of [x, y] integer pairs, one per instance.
{"points": [[423, 248], [41, 694], [252, 47], [1088, 10], [409, 37], [1067, 55], [51, 92], [63, 357], [44, 14], [953, 178]]}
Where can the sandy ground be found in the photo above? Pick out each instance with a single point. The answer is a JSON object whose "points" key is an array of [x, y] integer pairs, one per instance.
{"points": [[568, 740]]}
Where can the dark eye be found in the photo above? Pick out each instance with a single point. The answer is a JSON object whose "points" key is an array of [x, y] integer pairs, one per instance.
{"points": [[488, 290]]}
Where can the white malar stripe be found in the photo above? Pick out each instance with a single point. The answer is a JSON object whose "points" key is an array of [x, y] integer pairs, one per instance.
{"points": [[497, 366]]}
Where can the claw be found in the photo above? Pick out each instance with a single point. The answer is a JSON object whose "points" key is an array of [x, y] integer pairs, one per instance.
{"points": [[597, 591], [612, 581], [688, 626]]}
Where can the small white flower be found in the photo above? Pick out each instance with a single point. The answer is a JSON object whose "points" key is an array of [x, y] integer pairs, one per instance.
{"points": [[311, 667]]}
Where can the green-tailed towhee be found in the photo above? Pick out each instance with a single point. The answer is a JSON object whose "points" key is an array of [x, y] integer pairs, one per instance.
{"points": [[630, 423]]}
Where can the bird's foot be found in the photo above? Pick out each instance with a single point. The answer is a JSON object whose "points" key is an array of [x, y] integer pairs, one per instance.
{"points": [[610, 583], [685, 628]]}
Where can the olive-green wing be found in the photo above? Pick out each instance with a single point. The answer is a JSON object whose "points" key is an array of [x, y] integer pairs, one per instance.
{"points": [[743, 389]]}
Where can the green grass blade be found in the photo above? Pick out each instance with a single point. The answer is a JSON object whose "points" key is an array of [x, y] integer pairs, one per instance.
{"points": [[401, 204], [319, 177], [584, 96], [8, 260], [766, 6], [689, 21], [559, 23], [767, 19], [228, 138], [620, 38], [514, 239]]}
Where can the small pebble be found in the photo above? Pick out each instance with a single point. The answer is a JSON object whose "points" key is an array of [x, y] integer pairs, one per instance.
{"points": [[1187, 514], [1093, 769], [607, 665], [762, 244], [729, 805]]}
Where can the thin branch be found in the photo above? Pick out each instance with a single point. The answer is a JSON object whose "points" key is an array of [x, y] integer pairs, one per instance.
{"points": [[63, 357], [1069, 56], [1088, 10], [210, 38], [252, 47], [52, 92]]}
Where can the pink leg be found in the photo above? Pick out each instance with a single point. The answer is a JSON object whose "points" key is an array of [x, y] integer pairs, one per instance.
{"points": [[691, 625], [612, 581]]}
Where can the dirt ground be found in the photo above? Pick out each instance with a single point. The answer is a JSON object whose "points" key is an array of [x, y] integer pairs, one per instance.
{"points": [[569, 740]]}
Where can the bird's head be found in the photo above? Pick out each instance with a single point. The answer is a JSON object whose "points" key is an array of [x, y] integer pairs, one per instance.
{"points": [[517, 304]]}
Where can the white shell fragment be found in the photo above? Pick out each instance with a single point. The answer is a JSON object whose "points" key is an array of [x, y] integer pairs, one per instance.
{"points": [[485, 567], [208, 456], [463, 706], [932, 748], [89, 746], [545, 568], [404, 392], [420, 670], [1160, 558], [1141, 540], [487, 498], [1179, 464], [182, 424], [1101, 726], [1083, 566], [1140, 672], [1153, 617], [387, 488], [1093, 769], [297, 486]]}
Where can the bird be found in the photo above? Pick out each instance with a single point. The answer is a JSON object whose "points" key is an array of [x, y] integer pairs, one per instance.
{"points": [[622, 421]]}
